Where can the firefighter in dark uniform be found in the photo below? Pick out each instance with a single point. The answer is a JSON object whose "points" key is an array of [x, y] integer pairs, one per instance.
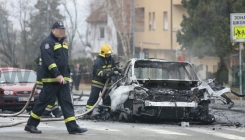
{"points": [[103, 69], [56, 73], [53, 105]]}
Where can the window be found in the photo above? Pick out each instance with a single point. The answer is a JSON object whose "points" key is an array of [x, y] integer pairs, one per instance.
{"points": [[150, 22], [165, 20], [102, 32], [153, 21]]}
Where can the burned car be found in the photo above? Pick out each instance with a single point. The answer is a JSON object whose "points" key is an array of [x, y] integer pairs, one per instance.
{"points": [[155, 89]]}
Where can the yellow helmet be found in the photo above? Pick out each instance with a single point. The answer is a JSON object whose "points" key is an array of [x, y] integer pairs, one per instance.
{"points": [[105, 49]]}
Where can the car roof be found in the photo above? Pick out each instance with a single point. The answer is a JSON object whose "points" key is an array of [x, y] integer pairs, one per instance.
{"points": [[12, 69]]}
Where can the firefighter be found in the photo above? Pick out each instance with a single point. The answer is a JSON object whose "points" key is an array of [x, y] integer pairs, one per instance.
{"points": [[103, 68], [56, 73], [53, 105]]}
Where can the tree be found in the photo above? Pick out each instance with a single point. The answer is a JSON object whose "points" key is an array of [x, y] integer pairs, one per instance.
{"points": [[22, 15], [121, 13], [71, 23], [41, 21], [7, 38], [206, 29]]}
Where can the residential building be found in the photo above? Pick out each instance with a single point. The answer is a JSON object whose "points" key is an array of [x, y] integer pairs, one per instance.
{"points": [[101, 31], [155, 33]]}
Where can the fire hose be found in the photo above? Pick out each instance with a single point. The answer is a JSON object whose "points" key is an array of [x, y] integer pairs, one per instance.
{"points": [[47, 119], [238, 95]]}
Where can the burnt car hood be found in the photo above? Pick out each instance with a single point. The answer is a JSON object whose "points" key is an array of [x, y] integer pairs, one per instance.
{"points": [[17, 87]]}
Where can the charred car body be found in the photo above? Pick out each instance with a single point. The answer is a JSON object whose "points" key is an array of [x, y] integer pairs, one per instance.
{"points": [[157, 89]]}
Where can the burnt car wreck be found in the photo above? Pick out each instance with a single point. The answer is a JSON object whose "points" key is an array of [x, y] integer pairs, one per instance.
{"points": [[155, 89]]}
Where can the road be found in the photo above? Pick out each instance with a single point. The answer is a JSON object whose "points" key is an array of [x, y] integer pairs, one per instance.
{"points": [[125, 131], [101, 130]]}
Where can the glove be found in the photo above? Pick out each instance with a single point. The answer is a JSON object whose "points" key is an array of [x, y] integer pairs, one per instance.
{"points": [[107, 72]]}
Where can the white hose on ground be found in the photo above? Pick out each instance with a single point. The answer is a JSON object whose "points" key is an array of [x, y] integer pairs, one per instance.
{"points": [[48, 119]]}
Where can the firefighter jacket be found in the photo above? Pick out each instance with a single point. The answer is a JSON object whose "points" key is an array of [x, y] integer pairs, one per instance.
{"points": [[54, 54], [38, 61], [101, 68]]}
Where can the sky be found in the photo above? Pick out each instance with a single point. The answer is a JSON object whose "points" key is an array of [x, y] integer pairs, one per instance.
{"points": [[83, 12]]}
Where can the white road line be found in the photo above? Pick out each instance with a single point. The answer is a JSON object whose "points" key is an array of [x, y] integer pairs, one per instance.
{"points": [[161, 131], [105, 129], [218, 134]]}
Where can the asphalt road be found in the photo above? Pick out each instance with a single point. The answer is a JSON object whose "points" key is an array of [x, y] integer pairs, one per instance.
{"points": [[56, 130], [125, 131]]}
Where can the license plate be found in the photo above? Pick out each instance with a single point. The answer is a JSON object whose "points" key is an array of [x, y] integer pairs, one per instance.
{"points": [[25, 99]]}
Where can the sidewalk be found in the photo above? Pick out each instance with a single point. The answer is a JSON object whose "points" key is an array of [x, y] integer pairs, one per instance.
{"points": [[238, 105]]}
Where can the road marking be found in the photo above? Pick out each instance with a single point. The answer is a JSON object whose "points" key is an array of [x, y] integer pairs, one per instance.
{"points": [[161, 131], [218, 134], [106, 129]]}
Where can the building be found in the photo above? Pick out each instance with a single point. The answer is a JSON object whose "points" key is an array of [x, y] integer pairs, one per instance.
{"points": [[101, 31], [155, 35]]}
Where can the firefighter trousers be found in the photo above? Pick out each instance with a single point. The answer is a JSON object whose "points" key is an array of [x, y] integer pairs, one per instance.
{"points": [[49, 91], [52, 107], [94, 95]]}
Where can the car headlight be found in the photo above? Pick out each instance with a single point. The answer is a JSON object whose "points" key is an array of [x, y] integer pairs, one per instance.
{"points": [[8, 92]]}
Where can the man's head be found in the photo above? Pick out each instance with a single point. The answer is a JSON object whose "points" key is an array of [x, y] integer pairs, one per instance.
{"points": [[58, 29], [105, 50], [78, 65]]}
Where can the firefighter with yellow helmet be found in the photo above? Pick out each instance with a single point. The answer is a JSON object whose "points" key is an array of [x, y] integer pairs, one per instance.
{"points": [[103, 68]]}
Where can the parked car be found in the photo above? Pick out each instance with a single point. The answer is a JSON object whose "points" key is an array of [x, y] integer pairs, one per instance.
{"points": [[155, 89], [15, 88]]}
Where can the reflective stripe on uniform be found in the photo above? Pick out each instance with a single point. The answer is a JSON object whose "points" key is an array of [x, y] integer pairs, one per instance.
{"points": [[35, 116], [106, 66], [48, 109], [39, 86], [100, 73], [89, 106], [100, 83], [39, 82], [58, 46], [67, 79], [70, 119], [98, 86], [55, 103], [50, 106], [49, 80], [54, 107], [65, 46], [52, 66], [97, 82]]}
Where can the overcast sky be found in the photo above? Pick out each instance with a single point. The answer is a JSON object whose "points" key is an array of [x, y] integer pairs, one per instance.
{"points": [[82, 5]]}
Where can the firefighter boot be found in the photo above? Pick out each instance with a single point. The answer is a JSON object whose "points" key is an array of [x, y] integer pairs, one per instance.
{"points": [[32, 129]]}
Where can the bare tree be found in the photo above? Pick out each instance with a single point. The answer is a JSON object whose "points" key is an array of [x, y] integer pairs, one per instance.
{"points": [[24, 9], [71, 24], [7, 38], [120, 12]]}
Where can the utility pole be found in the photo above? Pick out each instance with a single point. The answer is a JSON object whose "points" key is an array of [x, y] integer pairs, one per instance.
{"points": [[133, 26]]}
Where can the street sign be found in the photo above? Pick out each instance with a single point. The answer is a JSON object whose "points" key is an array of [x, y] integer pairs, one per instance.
{"points": [[237, 27], [237, 34]]}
